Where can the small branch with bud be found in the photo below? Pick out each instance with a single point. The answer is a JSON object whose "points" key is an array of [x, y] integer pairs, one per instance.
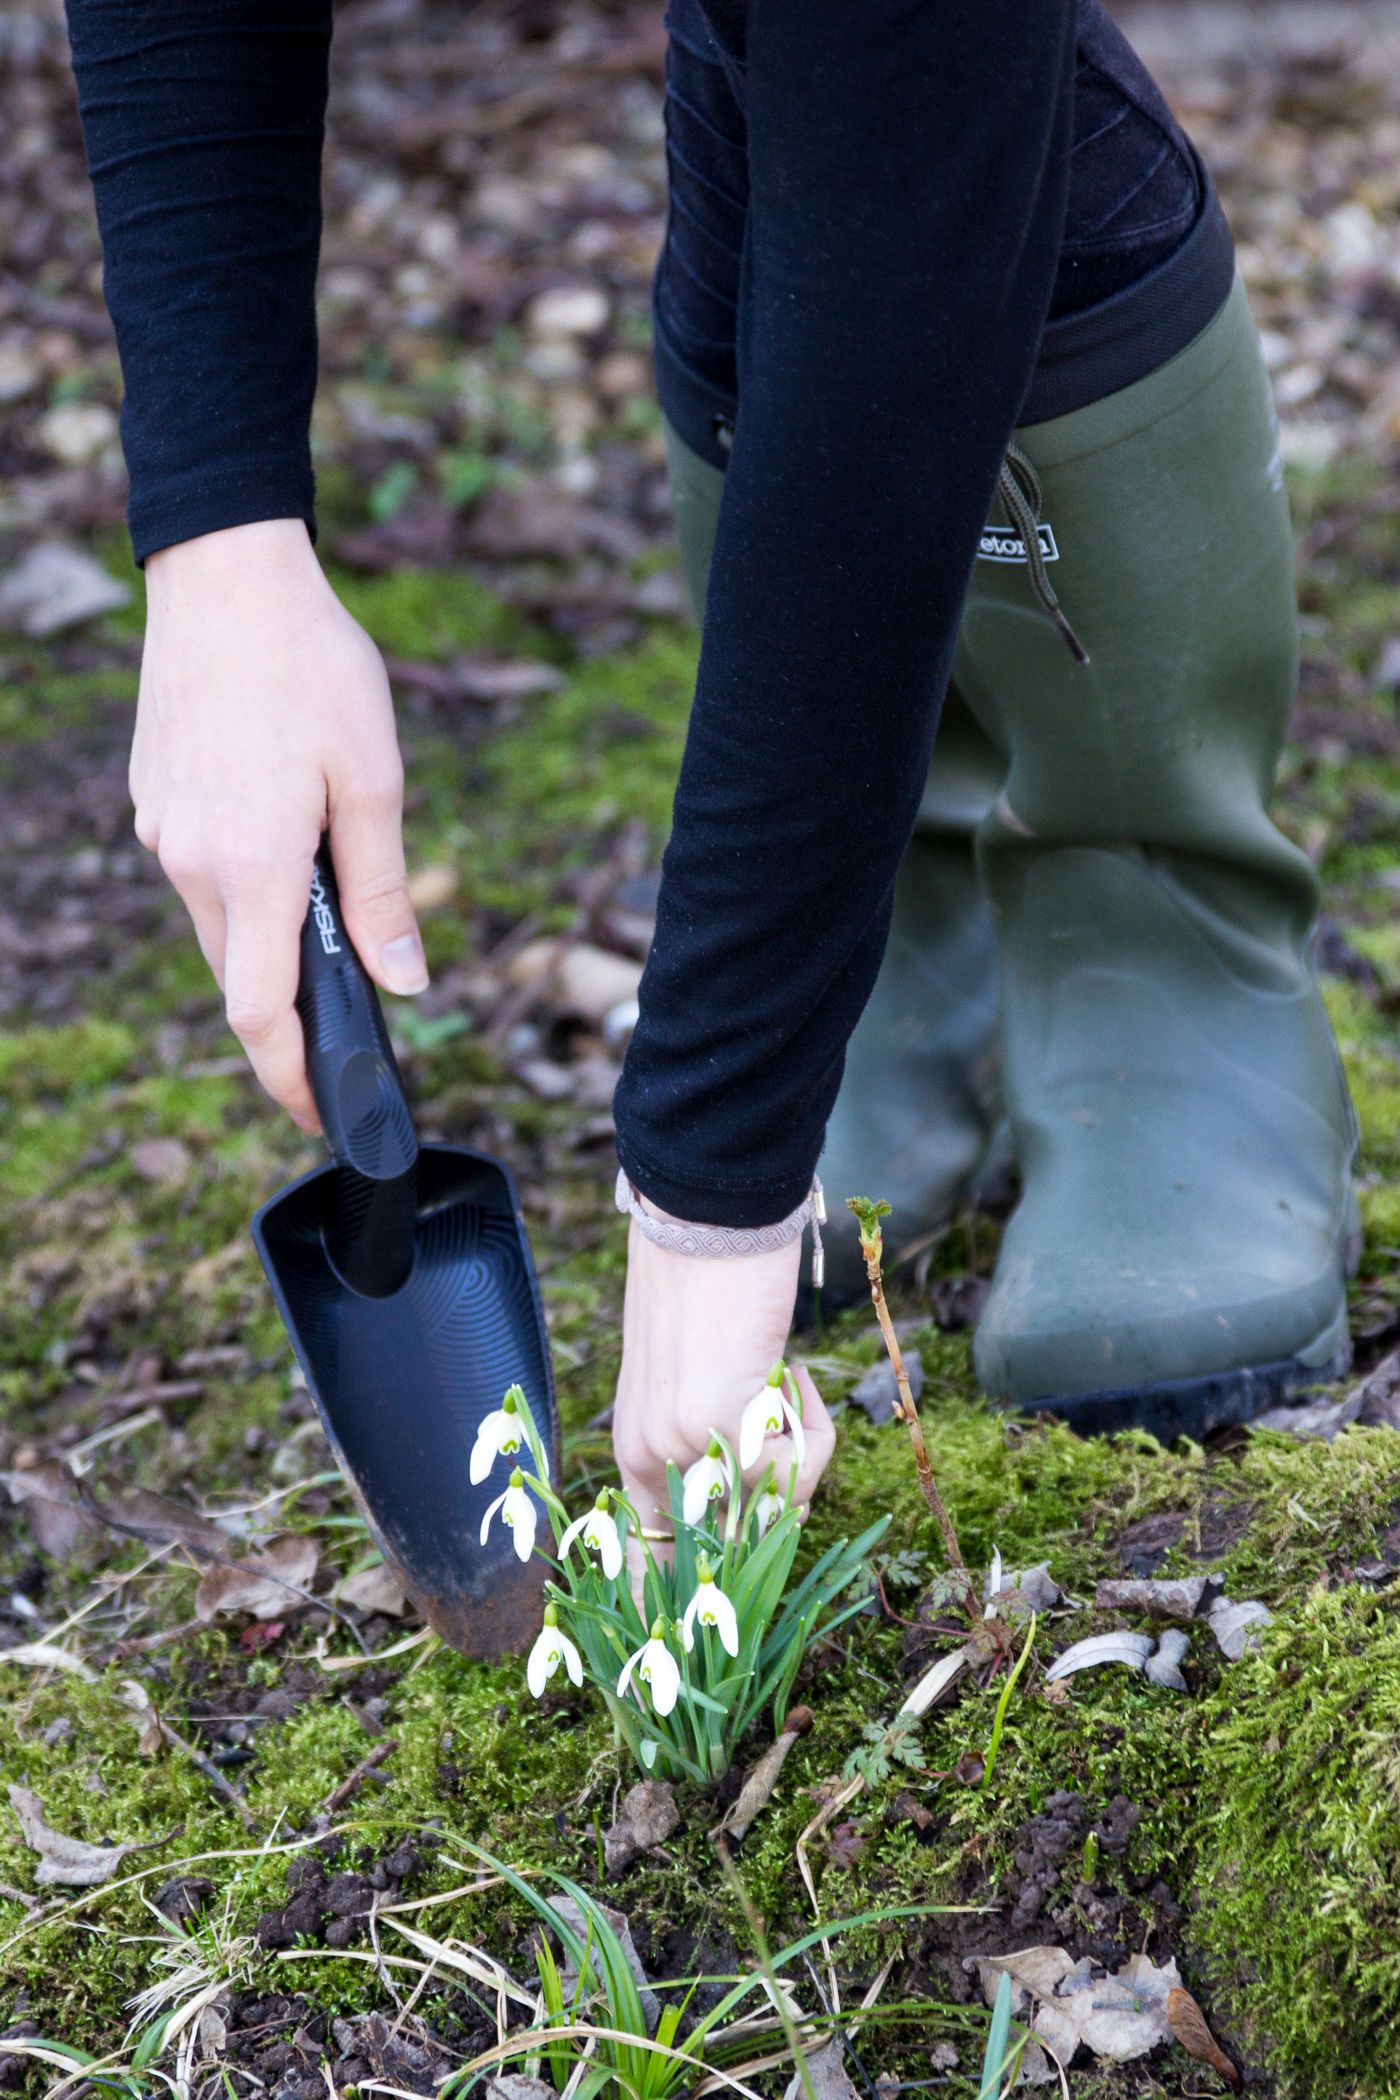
{"points": [[867, 1215]]}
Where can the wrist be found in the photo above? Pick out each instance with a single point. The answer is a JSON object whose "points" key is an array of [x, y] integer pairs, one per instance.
{"points": [[278, 547]]}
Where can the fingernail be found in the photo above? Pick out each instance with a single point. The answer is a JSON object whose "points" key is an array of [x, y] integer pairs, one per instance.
{"points": [[403, 965]]}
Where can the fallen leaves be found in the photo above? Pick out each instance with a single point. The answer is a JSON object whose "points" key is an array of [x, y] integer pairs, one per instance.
{"points": [[1190, 2027], [375, 1589], [1071, 2005], [271, 1583], [70, 1861], [647, 1817]]}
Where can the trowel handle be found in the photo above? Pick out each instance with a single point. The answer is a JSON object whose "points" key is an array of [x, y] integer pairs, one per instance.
{"points": [[354, 1078]]}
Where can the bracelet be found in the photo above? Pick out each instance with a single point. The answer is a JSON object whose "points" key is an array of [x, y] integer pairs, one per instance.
{"points": [[721, 1240]]}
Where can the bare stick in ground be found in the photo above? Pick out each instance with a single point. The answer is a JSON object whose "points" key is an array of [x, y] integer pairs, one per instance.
{"points": [[872, 1246]]}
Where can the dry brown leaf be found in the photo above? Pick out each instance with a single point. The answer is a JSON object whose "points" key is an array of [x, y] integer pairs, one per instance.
{"points": [[757, 1789], [647, 1817], [71, 1861], [137, 1701], [373, 1589], [273, 1583], [1074, 2004], [47, 1497], [1191, 2028]]}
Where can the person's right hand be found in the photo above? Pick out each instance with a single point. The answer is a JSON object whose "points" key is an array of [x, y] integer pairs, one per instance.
{"points": [[265, 718]]}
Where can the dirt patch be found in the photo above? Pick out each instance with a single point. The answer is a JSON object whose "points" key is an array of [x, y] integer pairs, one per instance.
{"points": [[1205, 1534]]}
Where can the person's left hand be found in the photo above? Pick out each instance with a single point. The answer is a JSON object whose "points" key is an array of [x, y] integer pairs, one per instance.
{"points": [[699, 1338]]}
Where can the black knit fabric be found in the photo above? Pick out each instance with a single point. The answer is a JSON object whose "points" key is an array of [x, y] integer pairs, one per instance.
{"points": [[903, 179]]}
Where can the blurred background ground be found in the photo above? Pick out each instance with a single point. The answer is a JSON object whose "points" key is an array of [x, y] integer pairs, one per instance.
{"points": [[494, 509]]}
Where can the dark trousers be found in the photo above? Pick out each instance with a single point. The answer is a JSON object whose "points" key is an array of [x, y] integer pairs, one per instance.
{"points": [[1145, 261]]}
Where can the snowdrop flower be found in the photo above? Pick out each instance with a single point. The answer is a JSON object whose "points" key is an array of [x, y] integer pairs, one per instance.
{"points": [[767, 1510], [712, 1608], [657, 1668], [500, 1436], [551, 1649], [705, 1482], [764, 1416], [598, 1529], [518, 1511]]}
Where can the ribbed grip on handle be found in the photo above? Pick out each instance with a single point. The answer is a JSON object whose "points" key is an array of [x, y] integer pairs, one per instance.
{"points": [[359, 1096]]}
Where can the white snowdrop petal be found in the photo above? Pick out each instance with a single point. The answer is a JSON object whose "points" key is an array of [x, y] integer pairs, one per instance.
{"points": [[540, 1664], [572, 1662], [486, 1520], [665, 1678], [726, 1621]]}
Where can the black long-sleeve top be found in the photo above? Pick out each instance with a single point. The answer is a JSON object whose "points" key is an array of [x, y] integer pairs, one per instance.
{"points": [[907, 168]]}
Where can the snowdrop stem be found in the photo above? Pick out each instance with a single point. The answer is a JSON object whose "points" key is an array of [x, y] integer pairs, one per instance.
{"points": [[558, 1515]]}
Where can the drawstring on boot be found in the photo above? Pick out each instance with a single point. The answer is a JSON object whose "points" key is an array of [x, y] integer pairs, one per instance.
{"points": [[1018, 485]]}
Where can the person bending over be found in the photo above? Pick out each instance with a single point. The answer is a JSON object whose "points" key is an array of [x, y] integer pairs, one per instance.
{"points": [[965, 414]]}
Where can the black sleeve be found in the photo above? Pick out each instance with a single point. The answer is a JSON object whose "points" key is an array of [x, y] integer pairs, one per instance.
{"points": [[203, 121], [908, 163]]}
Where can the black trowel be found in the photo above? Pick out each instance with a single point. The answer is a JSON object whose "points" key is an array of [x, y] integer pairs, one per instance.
{"points": [[405, 1278]]}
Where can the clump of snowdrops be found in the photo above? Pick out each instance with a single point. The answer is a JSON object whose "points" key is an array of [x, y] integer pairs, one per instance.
{"points": [[717, 1635]]}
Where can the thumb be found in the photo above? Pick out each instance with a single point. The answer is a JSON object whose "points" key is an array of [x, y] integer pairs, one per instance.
{"points": [[367, 847]]}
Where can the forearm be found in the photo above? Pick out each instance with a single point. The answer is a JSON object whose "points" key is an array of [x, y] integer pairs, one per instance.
{"points": [[907, 170], [203, 126]]}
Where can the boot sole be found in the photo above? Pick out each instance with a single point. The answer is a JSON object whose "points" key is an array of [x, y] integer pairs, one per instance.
{"points": [[1190, 1407], [1193, 1407]]}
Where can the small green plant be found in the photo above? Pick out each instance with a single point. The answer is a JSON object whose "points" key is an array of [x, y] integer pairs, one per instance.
{"points": [[1001, 2061], [593, 2035], [688, 1659]]}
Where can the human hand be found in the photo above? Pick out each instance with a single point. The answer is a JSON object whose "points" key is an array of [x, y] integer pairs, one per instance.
{"points": [[264, 719], [699, 1338]]}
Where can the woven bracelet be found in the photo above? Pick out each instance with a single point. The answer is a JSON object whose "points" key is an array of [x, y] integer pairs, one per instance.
{"points": [[729, 1240]]}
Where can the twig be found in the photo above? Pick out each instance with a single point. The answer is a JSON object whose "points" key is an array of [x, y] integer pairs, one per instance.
{"points": [[868, 1216], [354, 1780]]}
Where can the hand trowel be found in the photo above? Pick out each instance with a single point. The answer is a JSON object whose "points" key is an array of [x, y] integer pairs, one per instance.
{"points": [[406, 1282]]}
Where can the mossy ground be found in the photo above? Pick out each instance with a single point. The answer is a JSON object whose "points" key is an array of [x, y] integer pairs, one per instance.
{"points": [[1268, 1796]]}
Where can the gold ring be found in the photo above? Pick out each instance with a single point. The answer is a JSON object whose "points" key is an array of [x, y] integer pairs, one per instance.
{"points": [[667, 1538]]}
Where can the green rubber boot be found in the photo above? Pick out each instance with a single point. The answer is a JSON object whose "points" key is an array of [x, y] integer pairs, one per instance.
{"points": [[1178, 1110], [917, 1120]]}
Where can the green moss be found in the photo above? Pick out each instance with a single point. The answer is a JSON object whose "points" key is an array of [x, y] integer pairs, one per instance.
{"points": [[1299, 1834], [418, 613]]}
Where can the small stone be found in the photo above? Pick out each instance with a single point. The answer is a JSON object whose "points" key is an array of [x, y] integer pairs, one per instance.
{"points": [[54, 587], [19, 375], [618, 1024], [163, 1160], [578, 978], [76, 431], [514, 2085], [431, 887], [547, 1080], [877, 1392], [567, 310]]}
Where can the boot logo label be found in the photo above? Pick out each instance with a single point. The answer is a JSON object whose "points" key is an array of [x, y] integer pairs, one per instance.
{"points": [[1002, 543]]}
